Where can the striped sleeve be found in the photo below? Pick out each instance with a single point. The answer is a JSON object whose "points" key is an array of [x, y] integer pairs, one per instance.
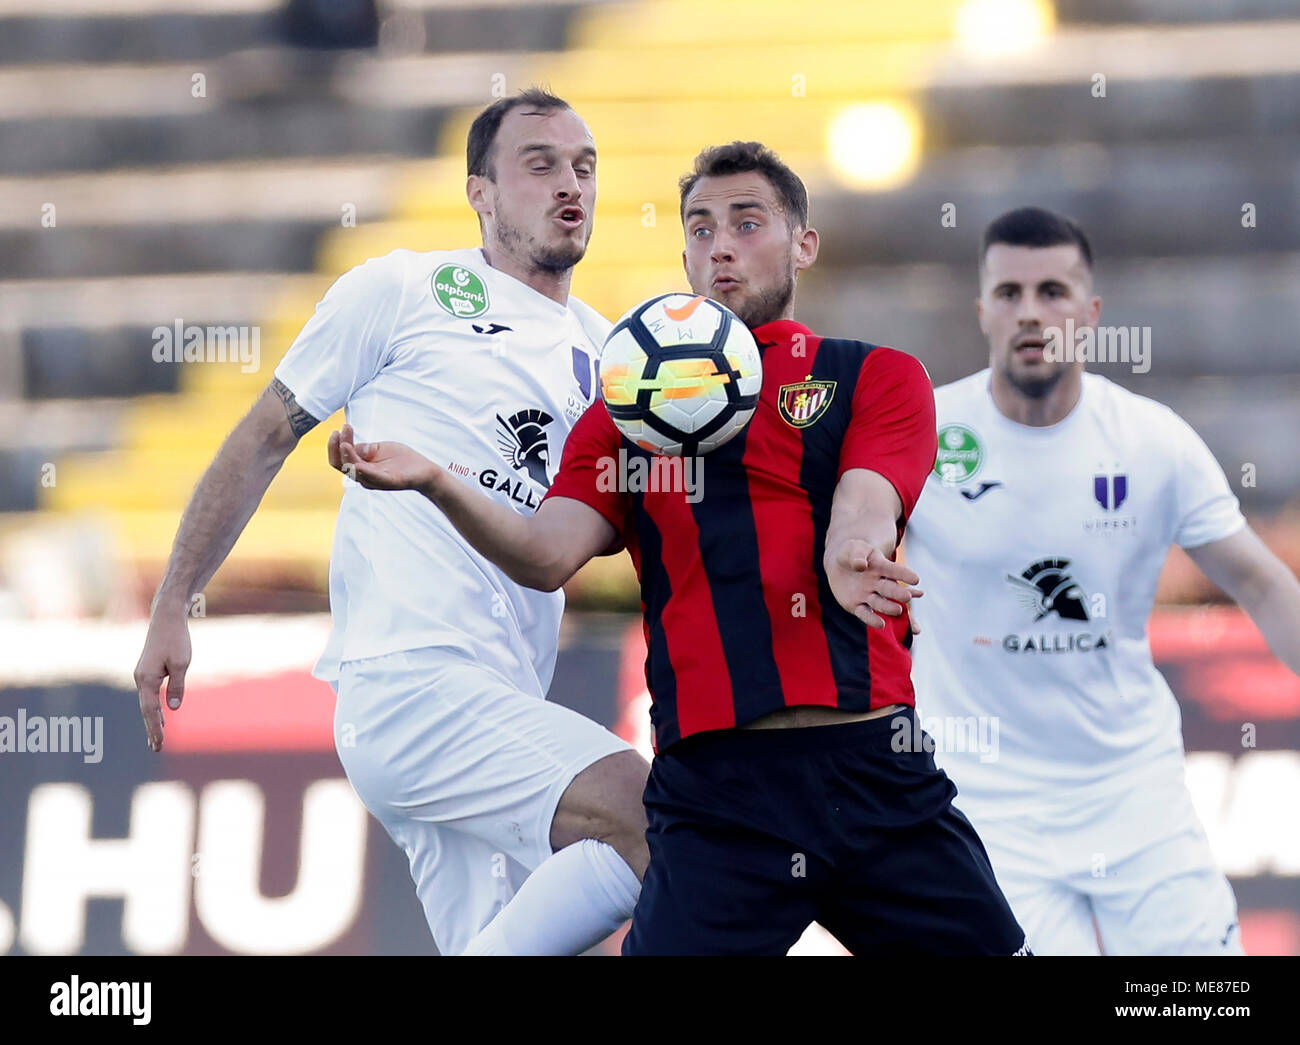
{"points": [[892, 429]]}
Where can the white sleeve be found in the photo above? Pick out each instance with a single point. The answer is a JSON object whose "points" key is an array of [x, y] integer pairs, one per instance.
{"points": [[345, 343], [594, 325], [1207, 508]]}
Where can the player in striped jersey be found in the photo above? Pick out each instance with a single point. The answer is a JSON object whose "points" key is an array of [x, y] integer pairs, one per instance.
{"points": [[777, 663]]}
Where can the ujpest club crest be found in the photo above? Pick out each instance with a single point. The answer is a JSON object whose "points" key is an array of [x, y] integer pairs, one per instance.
{"points": [[1110, 491]]}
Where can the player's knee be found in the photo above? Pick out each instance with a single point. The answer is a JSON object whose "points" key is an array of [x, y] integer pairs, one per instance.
{"points": [[604, 802], [629, 842], [621, 832]]}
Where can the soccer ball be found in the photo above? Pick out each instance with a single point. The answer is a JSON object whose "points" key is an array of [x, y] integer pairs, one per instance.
{"points": [[680, 375]]}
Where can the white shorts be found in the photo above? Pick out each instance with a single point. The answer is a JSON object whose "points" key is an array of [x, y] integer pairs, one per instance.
{"points": [[1137, 862], [464, 771]]}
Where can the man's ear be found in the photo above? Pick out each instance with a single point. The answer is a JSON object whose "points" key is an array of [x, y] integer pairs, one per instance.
{"points": [[806, 247], [478, 192]]}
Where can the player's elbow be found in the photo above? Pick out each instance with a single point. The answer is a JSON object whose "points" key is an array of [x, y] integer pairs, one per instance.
{"points": [[254, 449], [550, 576], [1266, 589], [541, 573], [538, 580], [557, 548], [263, 438]]}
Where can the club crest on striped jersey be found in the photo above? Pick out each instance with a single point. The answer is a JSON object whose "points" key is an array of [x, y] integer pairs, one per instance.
{"points": [[802, 403]]}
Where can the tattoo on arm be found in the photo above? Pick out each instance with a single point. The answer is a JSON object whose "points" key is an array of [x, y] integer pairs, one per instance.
{"points": [[299, 420]]}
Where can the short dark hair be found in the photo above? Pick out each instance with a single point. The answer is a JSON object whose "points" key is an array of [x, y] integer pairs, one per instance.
{"points": [[1035, 227], [483, 131], [718, 161]]}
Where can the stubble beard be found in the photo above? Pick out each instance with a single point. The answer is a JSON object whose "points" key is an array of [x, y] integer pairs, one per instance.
{"points": [[1032, 387], [767, 305], [553, 259]]}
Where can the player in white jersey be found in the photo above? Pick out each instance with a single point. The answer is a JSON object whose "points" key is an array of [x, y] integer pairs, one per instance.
{"points": [[1039, 540], [441, 663]]}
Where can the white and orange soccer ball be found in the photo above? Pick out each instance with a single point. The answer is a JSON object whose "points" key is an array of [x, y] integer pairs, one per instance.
{"points": [[680, 375]]}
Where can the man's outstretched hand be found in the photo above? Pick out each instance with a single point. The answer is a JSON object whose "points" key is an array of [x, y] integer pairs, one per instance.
{"points": [[868, 583], [381, 466], [166, 656]]}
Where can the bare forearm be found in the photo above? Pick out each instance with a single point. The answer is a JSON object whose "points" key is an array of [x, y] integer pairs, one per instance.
{"points": [[1261, 584], [866, 508], [512, 541], [219, 509], [877, 530], [1275, 609]]}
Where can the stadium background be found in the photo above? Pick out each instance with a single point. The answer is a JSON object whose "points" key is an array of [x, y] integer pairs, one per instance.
{"points": [[220, 162]]}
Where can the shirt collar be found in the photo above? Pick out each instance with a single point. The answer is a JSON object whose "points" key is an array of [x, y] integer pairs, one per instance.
{"points": [[780, 331]]}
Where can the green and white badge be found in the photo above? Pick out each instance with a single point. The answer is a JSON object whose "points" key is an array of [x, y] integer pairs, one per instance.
{"points": [[460, 291], [960, 454]]}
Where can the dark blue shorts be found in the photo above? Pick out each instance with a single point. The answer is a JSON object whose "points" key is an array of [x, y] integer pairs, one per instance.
{"points": [[754, 834]]}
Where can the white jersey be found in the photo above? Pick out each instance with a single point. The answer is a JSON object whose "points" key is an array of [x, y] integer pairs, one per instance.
{"points": [[1039, 550], [484, 376]]}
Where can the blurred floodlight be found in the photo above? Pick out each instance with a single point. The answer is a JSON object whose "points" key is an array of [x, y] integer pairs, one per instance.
{"points": [[874, 145], [998, 27]]}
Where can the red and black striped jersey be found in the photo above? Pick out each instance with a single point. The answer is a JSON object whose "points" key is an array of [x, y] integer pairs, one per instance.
{"points": [[739, 616]]}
